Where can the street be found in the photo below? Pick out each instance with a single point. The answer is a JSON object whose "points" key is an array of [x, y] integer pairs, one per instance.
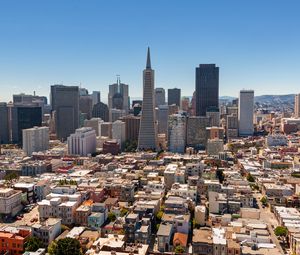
{"points": [[268, 217]]}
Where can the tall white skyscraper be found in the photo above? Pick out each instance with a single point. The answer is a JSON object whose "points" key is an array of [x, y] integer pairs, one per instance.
{"points": [[297, 106], [82, 142], [35, 139], [147, 133], [119, 131], [246, 107]]}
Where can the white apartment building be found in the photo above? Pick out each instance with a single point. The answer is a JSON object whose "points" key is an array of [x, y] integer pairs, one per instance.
{"points": [[35, 139], [47, 231], [82, 142], [61, 206], [119, 131]]}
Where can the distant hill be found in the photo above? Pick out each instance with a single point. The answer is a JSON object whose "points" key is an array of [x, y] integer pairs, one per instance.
{"points": [[270, 99], [264, 99]]}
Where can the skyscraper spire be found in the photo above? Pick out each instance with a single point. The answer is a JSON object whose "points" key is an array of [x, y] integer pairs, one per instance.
{"points": [[148, 65]]}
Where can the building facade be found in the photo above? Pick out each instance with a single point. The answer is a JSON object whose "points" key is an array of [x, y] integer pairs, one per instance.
{"points": [[297, 106], [65, 102], [4, 128], [100, 110], [35, 139], [82, 142], [174, 96], [160, 96], [177, 133], [246, 108], [207, 88]]}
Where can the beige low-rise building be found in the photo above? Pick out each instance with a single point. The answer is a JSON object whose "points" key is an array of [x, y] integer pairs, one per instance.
{"points": [[10, 201]]}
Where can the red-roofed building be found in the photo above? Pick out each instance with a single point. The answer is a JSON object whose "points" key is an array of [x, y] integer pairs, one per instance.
{"points": [[13, 242], [180, 239]]}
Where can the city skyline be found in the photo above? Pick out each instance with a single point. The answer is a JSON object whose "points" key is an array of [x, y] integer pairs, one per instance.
{"points": [[255, 48]]}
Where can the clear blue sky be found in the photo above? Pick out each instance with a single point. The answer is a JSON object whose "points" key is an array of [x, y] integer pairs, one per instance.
{"points": [[255, 43]]}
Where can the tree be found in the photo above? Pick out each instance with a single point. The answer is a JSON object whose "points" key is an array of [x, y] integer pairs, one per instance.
{"points": [[123, 212], [250, 178], [111, 216], [130, 146], [52, 248], [220, 175], [159, 215], [64, 228], [264, 200], [10, 177], [179, 249], [33, 244], [281, 231], [65, 246]]}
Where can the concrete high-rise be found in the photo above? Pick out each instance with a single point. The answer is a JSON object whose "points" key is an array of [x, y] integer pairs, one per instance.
{"points": [[118, 96], [35, 139], [65, 102], [82, 142], [96, 96], [119, 132], [297, 106], [94, 123], [177, 133], [160, 96], [232, 126], [162, 115], [196, 131], [174, 96], [245, 117], [147, 133], [207, 88], [132, 127]]}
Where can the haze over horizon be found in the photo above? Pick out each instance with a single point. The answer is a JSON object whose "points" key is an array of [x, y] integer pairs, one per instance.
{"points": [[256, 45]]}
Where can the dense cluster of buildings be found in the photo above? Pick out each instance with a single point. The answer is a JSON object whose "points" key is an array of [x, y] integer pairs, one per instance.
{"points": [[200, 176]]}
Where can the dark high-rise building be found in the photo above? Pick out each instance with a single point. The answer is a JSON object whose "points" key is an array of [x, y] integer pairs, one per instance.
{"points": [[23, 117], [100, 110], [65, 102], [207, 88], [28, 99], [4, 128], [147, 133], [174, 96], [86, 105]]}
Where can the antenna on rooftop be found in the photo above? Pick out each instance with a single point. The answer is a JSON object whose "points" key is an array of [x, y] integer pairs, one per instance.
{"points": [[118, 79]]}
